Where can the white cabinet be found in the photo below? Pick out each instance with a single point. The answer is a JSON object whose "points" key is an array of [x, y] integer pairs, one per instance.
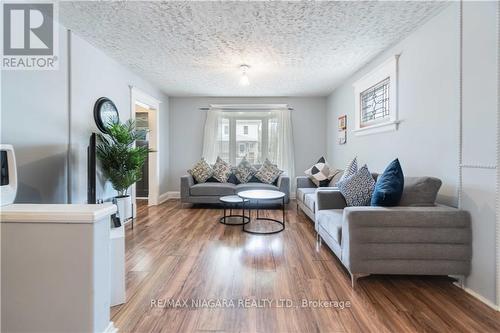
{"points": [[55, 268]]}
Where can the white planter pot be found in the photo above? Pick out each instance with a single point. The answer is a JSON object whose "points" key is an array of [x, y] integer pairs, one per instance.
{"points": [[124, 205]]}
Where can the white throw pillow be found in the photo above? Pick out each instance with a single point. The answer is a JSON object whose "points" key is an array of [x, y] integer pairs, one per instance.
{"points": [[321, 173]]}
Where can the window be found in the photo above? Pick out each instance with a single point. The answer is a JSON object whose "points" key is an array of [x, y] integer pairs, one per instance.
{"points": [[375, 103], [376, 100], [257, 131]]}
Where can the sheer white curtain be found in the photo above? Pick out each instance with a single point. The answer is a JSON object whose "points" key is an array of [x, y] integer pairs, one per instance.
{"points": [[281, 147], [273, 138], [212, 143]]}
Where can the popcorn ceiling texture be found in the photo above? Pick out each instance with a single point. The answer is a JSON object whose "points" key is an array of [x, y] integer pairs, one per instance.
{"points": [[293, 48]]}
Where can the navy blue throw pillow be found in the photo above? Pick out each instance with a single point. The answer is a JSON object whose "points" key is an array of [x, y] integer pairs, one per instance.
{"points": [[389, 187]]}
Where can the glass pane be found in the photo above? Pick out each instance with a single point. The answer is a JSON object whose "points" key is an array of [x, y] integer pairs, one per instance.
{"points": [[248, 140], [223, 139], [375, 102]]}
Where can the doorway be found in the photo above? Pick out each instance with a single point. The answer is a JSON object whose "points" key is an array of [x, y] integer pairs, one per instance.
{"points": [[142, 127], [145, 112]]}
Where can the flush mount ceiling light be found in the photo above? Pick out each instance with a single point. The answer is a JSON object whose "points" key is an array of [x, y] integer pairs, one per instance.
{"points": [[244, 81]]}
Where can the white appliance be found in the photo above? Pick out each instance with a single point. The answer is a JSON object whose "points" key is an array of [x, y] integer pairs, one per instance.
{"points": [[57, 262], [8, 175]]}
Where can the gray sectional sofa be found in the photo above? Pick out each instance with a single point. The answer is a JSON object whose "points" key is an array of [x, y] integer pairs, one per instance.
{"points": [[305, 193], [210, 192], [418, 237]]}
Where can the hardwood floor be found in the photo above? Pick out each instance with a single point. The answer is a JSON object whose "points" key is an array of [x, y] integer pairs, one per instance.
{"points": [[177, 254]]}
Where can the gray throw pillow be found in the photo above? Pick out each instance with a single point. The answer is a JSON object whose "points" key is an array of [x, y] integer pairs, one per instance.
{"points": [[222, 170], [358, 188], [268, 172], [420, 191], [201, 171], [244, 171]]}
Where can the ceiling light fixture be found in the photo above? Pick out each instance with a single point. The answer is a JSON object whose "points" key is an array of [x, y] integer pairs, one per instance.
{"points": [[244, 81]]}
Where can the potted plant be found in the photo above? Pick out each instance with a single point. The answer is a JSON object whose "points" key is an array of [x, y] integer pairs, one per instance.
{"points": [[121, 162]]}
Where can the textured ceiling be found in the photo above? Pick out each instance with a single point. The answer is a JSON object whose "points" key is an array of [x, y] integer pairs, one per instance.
{"points": [[293, 48]]}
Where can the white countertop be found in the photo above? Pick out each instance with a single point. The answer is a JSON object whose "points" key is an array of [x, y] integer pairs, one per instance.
{"points": [[55, 213]]}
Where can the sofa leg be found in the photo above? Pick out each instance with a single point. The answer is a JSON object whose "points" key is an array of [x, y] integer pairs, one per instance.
{"points": [[355, 277], [318, 241], [460, 281]]}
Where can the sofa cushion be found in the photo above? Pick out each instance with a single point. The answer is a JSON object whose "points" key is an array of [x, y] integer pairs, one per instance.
{"points": [[268, 172], [301, 192], [321, 173], [350, 170], [213, 189], [310, 201], [330, 220], [336, 178], [222, 170], [389, 186], [201, 171], [255, 186], [420, 191], [358, 188], [244, 171]]}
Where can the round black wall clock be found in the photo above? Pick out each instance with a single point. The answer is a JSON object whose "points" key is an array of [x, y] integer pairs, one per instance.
{"points": [[105, 113]]}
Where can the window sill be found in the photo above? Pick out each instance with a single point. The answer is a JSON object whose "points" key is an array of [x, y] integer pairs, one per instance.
{"points": [[390, 126]]}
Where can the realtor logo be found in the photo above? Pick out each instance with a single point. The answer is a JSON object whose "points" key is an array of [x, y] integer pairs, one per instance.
{"points": [[29, 36]]}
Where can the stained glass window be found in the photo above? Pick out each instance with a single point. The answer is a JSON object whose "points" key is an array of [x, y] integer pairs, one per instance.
{"points": [[375, 103]]}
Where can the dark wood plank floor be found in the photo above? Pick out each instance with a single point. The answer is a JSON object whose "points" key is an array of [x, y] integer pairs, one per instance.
{"points": [[177, 254]]}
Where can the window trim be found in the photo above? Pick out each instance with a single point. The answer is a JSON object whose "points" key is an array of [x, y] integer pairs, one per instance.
{"points": [[233, 145], [389, 69]]}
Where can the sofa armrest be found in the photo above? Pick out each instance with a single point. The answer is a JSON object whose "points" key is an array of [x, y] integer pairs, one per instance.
{"points": [[419, 217], [304, 182], [330, 199], [374, 239], [284, 185], [186, 182]]}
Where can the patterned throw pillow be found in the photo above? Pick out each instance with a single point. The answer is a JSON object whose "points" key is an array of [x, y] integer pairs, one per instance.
{"points": [[201, 171], [268, 172], [350, 169], [358, 188], [320, 173], [222, 170], [244, 171]]}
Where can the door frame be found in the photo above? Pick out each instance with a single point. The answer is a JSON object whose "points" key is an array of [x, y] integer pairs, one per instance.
{"points": [[137, 95]]}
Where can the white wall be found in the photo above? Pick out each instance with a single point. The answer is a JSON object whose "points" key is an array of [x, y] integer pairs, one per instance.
{"points": [[480, 93], [187, 122], [427, 142], [35, 119], [94, 75]]}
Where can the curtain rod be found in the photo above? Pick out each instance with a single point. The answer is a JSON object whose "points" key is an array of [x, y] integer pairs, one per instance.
{"points": [[255, 107]]}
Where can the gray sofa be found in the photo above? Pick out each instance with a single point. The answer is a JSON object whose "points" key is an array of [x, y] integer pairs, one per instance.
{"points": [[305, 193], [210, 192], [418, 237]]}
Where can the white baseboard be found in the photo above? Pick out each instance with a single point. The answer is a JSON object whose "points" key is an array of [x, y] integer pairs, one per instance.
{"points": [[169, 196], [479, 297], [111, 328]]}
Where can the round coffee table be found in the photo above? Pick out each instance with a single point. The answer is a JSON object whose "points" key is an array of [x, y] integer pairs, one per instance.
{"points": [[232, 201], [257, 196]]}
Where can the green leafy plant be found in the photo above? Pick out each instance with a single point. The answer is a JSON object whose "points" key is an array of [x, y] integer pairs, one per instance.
{"points": [[121, 162]]}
